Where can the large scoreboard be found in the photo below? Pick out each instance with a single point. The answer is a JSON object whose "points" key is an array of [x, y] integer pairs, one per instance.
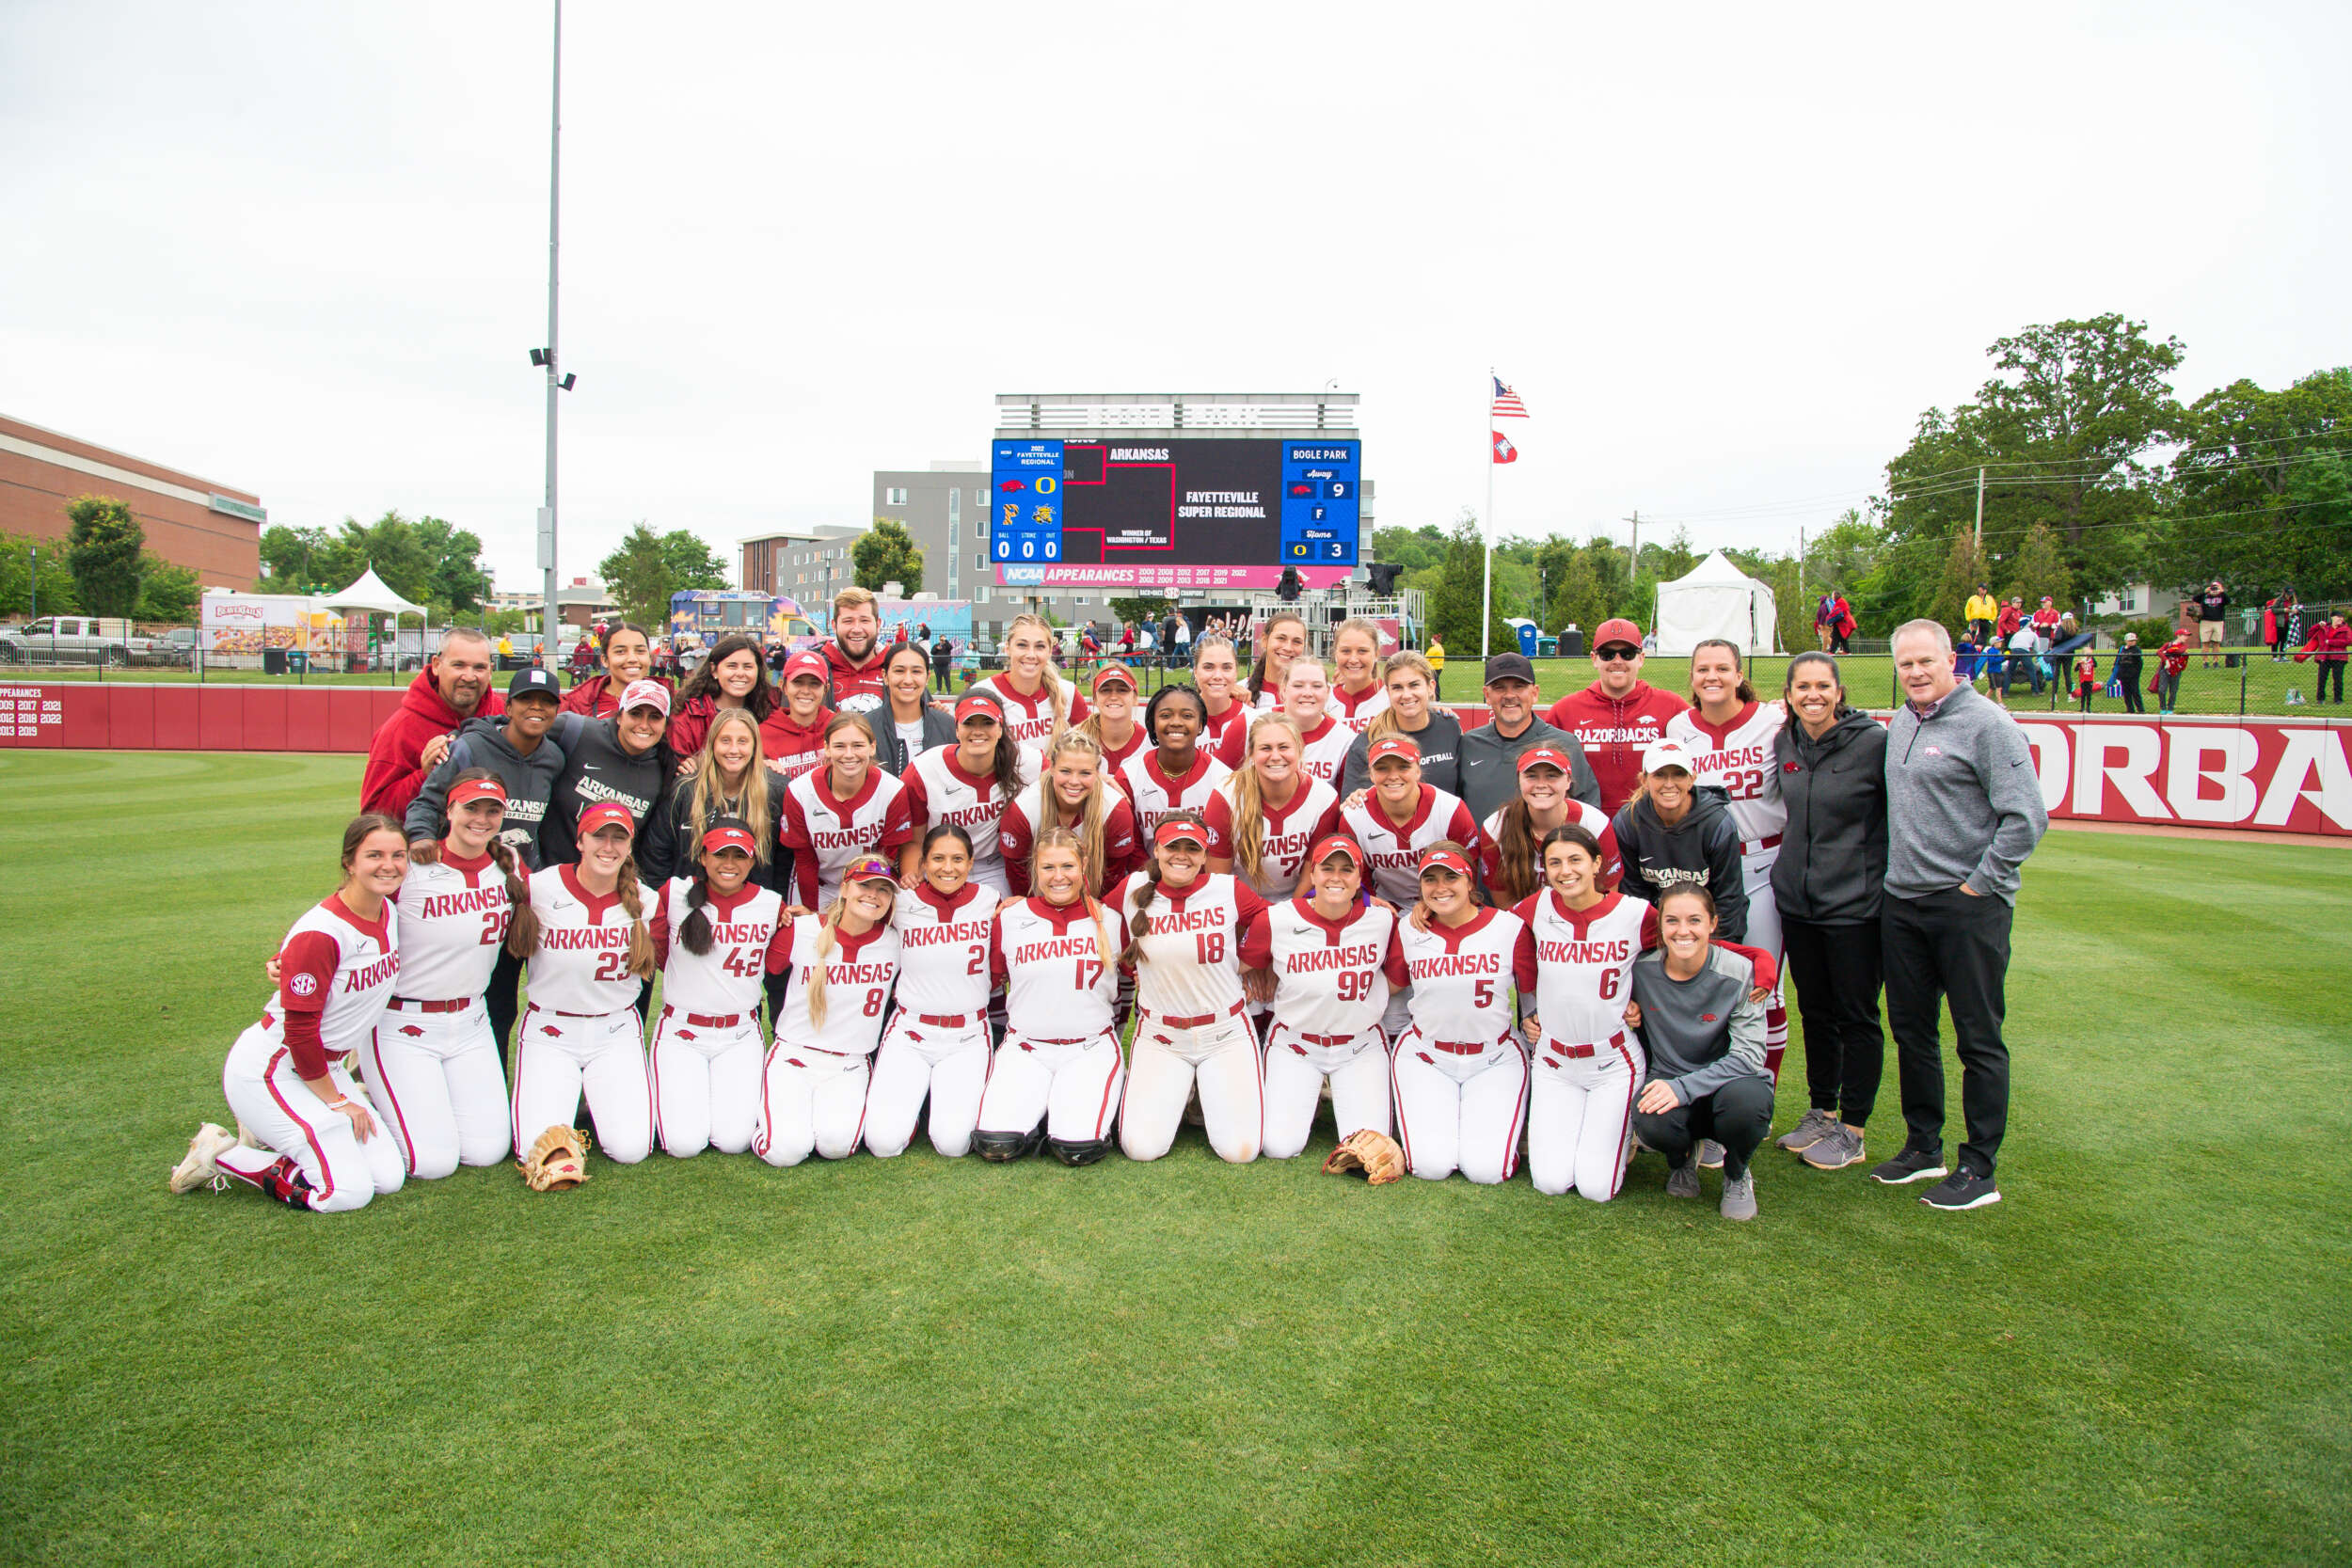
{"points": [[1174, 512]]}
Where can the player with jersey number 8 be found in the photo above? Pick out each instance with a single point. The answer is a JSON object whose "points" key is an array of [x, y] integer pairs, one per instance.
{"points": [[718, 936], [842, 965]]}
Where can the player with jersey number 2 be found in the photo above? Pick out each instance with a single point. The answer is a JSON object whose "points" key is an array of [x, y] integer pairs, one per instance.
{"points": [[935, 1047]]}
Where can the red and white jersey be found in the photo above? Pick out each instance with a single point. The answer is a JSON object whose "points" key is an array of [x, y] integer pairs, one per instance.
{"points": [[1115, 758], [1356, 708], [787, 746], [827, 834], [336, 973], [1155, 795], [1460, 975], [1058, 985], [1393, 853], [453, 914], [1590, 819], [582, 962], [1325, 748], [939, 790], [1329, 976], [1030, 719], [748, 941], [1737, 758], [1028, 815], [1228, 733], [1189, 964], [1284, 835], [858, 975], [943, 949], [1579, 965]]}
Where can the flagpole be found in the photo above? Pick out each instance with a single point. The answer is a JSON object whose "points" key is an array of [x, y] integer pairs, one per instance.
{"points": [[1487, 538]]}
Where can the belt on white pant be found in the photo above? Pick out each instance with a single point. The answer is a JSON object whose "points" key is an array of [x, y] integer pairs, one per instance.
{"points": [[1577, 1053], [1758, 846]]}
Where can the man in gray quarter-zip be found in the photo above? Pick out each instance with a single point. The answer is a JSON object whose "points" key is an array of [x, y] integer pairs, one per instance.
{"points": [[1964, 811]]}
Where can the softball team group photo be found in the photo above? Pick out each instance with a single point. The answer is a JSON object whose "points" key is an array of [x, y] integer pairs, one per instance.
{"points": [[823, 910]]}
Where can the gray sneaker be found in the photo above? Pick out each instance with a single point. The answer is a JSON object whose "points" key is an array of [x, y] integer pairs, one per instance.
{"points": [[1711, 1154], [1683, 1181], [1740, 1195], [1836, 1149], [1808, 1131]]}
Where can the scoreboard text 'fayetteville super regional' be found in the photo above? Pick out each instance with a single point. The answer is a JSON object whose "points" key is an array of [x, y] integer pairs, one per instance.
{"points": [[1181, 511]]}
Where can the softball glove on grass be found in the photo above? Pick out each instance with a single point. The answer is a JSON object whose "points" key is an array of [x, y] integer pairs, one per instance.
{"points": [[1374, 1153], [557, 1161]]}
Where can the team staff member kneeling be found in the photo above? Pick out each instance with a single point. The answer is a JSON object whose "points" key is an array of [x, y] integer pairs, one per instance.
{"points": [[1184, 928], [586, 949], [1459, 1073], [936, 1046], [841, 964], [314, 1144], [1326, 948], [1694, 1001], [1057, 1073], [1576, 959], [717, 935]]}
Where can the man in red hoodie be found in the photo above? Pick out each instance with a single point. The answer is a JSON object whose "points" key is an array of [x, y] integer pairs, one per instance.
{"points": [[854, 656], [1618, 715], [451, 689]]}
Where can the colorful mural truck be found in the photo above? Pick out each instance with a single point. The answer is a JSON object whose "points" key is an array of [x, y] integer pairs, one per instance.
{"points": [[713, 613]]}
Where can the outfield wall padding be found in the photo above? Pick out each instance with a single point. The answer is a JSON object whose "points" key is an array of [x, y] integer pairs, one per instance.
{"points": [[2268, 775]]}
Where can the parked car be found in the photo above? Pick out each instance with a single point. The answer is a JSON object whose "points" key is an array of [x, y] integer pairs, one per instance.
{"points": [[176, 647], [75, 639]]}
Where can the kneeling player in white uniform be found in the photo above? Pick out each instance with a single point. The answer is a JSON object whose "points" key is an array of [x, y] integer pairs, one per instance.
{"points": [[936, 1047], [1576, 960], [1459, 1073], [843, 965], [315, 1145], [1057, 1073], [1328, 950], [717, 935], [1185, 931], [585, 948]]}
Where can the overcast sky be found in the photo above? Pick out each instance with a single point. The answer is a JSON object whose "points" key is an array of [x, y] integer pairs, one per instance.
{"points": [[1726, 253]]}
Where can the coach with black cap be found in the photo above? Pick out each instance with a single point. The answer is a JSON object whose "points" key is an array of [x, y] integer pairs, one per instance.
{"points": [[1490, 754]]}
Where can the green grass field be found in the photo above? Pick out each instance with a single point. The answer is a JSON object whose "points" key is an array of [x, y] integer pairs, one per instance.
{"points": [[2140, 1356]]}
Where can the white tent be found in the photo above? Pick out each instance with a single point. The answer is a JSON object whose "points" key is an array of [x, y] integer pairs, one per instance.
{"points": [[372, 593], [1716, 599]]}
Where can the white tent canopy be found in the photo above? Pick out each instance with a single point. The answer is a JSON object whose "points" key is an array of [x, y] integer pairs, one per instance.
{"points": [[1716, 599], [372, 593]]}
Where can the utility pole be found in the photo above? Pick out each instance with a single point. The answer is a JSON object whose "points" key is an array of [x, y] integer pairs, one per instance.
{"points": [[1800, 564], [1981, 513], [547, 633]]}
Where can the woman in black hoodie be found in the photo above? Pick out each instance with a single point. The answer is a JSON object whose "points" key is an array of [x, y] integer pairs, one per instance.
{"points": [[1673, 834], [1828, 883]]}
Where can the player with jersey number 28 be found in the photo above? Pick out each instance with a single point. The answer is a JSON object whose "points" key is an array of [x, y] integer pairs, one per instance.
{"points": [[1327, 948], [936, 1045], [718, 936], [1459, 1073], [842, 965], [313, 1143], [1576, 959]]}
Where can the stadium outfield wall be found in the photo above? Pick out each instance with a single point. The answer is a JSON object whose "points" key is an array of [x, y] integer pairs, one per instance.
{"points": [[2262, 775]]}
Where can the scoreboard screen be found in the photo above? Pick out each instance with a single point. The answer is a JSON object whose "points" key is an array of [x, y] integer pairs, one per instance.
{"points": [[1192, 511]]}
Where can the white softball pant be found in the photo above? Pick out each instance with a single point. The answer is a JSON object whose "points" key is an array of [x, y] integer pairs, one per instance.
{"points": [[278, 1108], [561, 1057], [1580, 1107], [1755, 877], [1295, 1066], [436, 1075], [946, 1064], [1168, 1059], [1071, 1086], [810, 1102], [706, 1082], [1460, 1110]]}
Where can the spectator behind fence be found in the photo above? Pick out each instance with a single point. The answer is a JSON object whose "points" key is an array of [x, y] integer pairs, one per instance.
{"points": [[2085, 678], [453, 687], [2172, 662], [2330, 644], [2213, 613], [1964, 811], [2127, 661]]}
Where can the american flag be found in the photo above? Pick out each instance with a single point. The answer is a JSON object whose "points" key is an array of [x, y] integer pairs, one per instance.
{"points": [[1507, 403]]}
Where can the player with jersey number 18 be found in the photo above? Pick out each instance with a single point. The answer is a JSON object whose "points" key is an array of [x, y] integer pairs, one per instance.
{"points": [[718, 936], [1576, 959], [842, 965], [1459, 1073], [1329, 949], [936, 1045]]}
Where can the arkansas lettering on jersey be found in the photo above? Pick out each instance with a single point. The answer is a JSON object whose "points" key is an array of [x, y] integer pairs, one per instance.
{"points": [[1461, 975], [1737, 759], [453, 914], [1155, 795], [939, 791], [1329, 976], [1393, 853], [1049, 956], [1326, 748], [1579, 964], [789, 747], [748, 941], [336, 973], [858, 975], [943, 949], [1028, 815], [1590, 819], [1189, 963], [1285, 834], [582, 962], [832, 832], [1030, 719]]}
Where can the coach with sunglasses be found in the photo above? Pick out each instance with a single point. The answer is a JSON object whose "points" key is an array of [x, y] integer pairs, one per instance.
{"points": [[1619, 714]]}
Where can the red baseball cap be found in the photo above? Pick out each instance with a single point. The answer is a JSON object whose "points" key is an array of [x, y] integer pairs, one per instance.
{"points": [[607, 813], [731, 835], [979, 704], [1393, 746], [1545, 757], [1179, 829], [807, 663], [652, 694], [1335, 844], [477, 789], [873, 868], [1617, 629], [1112, 672], [1450, 860]]}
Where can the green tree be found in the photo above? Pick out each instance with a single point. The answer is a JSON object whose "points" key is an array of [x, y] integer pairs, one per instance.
{"points": [[1452, 603], [106, 550], [2039, 570], [692, 563], [288, 554], [168, 592], [1964, 568], [17, 596], [2258, 491], [457, 581], [640, 577], [391, 546], [1416, 549], [1147, 610], [887, 553]]}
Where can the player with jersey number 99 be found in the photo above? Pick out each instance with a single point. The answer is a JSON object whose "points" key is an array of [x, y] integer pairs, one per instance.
{"points": [[842, 965]]}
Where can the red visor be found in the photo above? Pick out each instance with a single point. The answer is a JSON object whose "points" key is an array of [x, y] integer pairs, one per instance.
{"points": [[1447, 859], [1335, 844], [606, 813], [477, 789], [1177, 829], [1394, 745], [1111, 673], [873, 868], [979, 704], [731, 837], [1544, 756]]}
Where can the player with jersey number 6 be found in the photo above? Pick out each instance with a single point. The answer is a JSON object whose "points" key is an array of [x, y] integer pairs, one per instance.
{"points": [[717, 935], [841, 965], [936, 1045], [1057, 1074], [1459, 1073], [1576, 959], [313, 1144], [1328, 948], [1184, 927]]}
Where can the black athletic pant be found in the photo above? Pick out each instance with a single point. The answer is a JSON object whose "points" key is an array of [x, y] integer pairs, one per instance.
{"points": [[1837, 971], [1949, 949], [505, 977], [2329, 668], [1736, 1116], [2132, 689]]}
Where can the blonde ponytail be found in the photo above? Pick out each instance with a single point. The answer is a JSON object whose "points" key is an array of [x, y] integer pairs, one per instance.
{"points": [[828, 938], [640, 939]]}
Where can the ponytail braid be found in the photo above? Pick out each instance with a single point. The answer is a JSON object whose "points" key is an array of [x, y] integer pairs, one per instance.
{"points": [[640, 939], [1140, 927], [522, 921], [693, 932]]}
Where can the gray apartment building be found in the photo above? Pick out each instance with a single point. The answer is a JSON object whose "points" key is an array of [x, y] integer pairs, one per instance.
{"points": [[942, 506], [809, 564]]}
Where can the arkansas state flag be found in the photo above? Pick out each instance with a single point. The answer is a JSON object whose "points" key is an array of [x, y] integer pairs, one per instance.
{"points": [[1504, 450]]}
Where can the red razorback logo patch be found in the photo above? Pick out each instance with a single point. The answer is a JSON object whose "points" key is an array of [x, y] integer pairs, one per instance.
{"points": [[1707, 1018]]}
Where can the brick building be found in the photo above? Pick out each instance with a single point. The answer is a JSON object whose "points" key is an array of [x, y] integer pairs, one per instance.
{"points": [[214, 531]]}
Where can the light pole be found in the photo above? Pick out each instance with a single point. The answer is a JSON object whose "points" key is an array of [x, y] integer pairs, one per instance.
{"points": [[557, 382]]}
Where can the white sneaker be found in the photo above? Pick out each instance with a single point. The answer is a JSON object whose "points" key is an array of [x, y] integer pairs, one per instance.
{"points": [[211, 1142]]}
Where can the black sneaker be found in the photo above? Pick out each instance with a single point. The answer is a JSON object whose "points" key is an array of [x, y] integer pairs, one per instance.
{"points": [[1912, 1164], [1963, 1189]]}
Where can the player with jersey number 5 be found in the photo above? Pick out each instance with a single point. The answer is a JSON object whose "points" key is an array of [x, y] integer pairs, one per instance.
{"points": [[1327, 949], [1185, 926], [717, 935], [1459, 1073], [311, 1140], [1576, 959], [936, 1045], [842, 966]]}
